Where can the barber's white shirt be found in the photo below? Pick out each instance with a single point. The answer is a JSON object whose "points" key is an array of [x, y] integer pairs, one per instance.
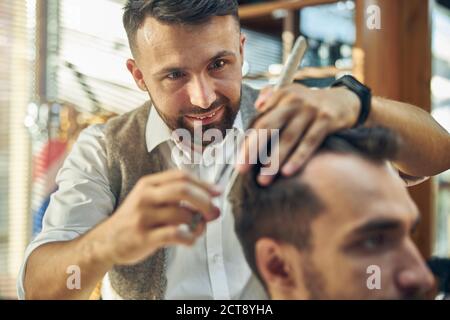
{"points": [[213, 268]]}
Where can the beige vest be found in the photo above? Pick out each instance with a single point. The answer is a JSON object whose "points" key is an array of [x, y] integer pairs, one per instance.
{"points": [[128, 160]]}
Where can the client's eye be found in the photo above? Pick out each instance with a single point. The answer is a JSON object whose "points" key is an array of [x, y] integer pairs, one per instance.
{"points": [[374, 242]]}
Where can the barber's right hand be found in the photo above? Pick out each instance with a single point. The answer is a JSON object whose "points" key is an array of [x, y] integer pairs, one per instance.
{"points": [[151, 215]]}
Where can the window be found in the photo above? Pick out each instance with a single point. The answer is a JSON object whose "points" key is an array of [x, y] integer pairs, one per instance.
{"points": [[16, 87]]}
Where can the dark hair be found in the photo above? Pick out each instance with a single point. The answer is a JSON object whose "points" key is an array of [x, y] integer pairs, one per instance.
{"points": [[284, 210], [174, 12]]}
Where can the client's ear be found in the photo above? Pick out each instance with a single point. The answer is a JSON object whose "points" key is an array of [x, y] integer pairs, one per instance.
{"points": [[274, 265]]}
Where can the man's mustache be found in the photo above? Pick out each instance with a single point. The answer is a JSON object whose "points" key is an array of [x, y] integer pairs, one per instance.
{"points": [[216, 105]]}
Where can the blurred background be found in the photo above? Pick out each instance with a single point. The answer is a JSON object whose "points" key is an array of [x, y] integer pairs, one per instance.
{"points": [[62, 68]]}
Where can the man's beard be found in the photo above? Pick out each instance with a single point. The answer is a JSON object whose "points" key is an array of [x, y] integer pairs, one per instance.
{"points": [[314, 280], [230, 112], [315, 284], [227, 121]]}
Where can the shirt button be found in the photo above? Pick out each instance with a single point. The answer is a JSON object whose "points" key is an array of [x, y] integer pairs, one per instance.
{"points": [[216, 258]]}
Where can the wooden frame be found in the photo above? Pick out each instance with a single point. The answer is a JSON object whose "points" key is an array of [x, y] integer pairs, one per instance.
{"points": [[263, 9], [395, 62]]}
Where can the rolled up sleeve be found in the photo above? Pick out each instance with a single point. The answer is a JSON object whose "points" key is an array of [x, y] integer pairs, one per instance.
{"points": [[83, 198]]}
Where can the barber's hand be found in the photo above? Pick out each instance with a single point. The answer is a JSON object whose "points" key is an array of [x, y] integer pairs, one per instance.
{"points": [[305, 117], [151, 215]]}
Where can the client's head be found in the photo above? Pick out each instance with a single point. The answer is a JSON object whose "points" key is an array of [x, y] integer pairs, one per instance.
{"points": [[339, 229]]}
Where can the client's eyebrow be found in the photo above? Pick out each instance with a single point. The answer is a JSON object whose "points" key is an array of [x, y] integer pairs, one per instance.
{"points": [[383, 224], [375, 225]]}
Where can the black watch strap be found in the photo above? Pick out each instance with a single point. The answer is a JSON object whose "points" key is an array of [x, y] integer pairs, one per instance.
{"points": [[363, 92]]}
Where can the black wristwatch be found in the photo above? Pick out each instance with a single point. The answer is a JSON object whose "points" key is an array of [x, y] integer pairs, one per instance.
{"points": [[363, 92]]}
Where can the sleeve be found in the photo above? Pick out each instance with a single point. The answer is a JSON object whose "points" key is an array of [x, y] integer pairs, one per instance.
{"points": [[407, 179], [83, 198]]}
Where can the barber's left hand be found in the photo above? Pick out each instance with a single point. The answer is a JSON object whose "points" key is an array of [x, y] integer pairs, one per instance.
{"points": [[304, 117]]}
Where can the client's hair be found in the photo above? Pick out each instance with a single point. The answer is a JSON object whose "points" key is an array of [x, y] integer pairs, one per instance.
{"points": [[284, 210]]}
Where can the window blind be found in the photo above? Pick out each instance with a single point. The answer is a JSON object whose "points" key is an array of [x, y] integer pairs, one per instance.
{"points": [[17, 25]]}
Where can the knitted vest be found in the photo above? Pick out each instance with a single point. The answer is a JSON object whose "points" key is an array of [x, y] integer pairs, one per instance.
{"points": [[128, 160]]}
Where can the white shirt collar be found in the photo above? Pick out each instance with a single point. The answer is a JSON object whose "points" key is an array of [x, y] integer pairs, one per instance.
{"points": [[157, 131]]}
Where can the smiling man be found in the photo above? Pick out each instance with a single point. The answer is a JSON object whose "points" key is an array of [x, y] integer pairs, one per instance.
{"points": [[340, 229], [121, 210], [191, 80]]}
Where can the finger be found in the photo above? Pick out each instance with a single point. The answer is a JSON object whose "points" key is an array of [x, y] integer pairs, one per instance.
{"points": [[180, 175], [252, 150], [161, 177], [246, 158], [290, 137], [272, 100], [173, 215], [256, 142], [264, 95], [277, 95], [276, 118], [175, 192], [308, 145]]}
